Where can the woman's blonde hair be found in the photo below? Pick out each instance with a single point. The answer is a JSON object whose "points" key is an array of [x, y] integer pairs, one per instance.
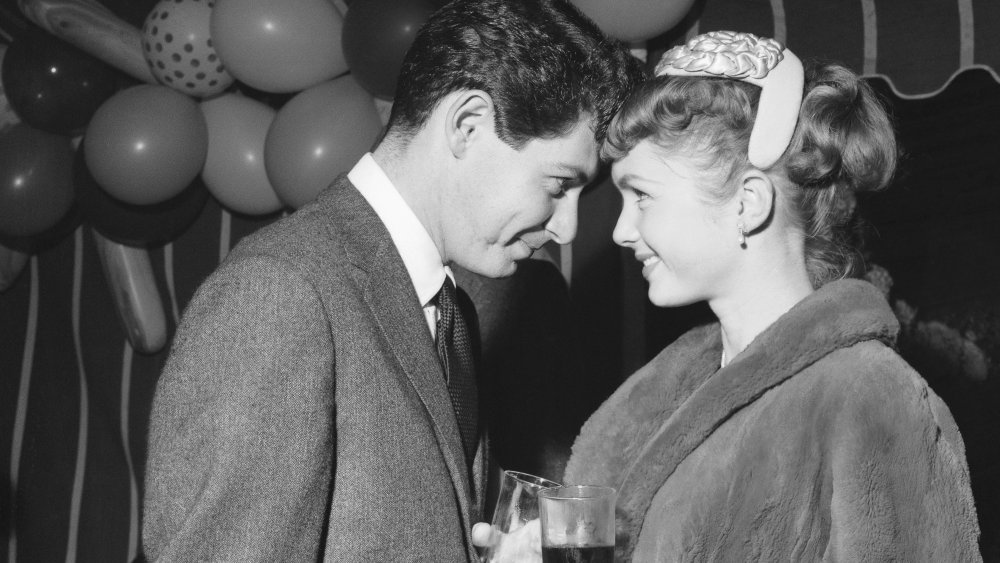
{"points": [[843, 144]]}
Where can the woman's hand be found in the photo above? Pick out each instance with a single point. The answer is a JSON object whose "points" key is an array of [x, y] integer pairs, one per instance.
{"points": [[522, 545]]}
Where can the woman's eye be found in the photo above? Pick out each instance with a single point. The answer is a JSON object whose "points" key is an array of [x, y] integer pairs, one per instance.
{"points": [[641, 196]]}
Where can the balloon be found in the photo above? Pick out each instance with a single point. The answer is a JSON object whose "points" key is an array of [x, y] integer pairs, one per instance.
{"points": [[135, 225], [283, 46], [129, 11], [92, 28], [146, 144], [377, 34], [7, 115], [179, 50], [47, 239], [234, 170], [36, 171], [270, 99], [129, 275], [53, 86], [12, 263], [635, 20], [317, 135]]}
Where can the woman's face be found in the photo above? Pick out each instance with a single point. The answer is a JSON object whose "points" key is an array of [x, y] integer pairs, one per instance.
{"points": [[686, 243]]}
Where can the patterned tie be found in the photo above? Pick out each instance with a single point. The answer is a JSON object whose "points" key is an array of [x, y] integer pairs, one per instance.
{"points": [[454, 347]]}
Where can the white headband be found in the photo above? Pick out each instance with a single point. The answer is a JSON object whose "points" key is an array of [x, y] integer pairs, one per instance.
{"points": [[757, 60]]}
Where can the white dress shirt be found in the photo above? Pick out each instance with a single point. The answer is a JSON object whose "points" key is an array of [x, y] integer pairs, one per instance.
{"points": [[420, 255]]}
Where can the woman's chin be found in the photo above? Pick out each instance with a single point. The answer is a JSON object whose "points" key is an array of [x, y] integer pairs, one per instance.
{"points": [[666, 299]]}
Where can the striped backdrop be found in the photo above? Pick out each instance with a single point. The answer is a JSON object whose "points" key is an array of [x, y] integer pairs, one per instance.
{"points": [[917, 45], [75, 397]]}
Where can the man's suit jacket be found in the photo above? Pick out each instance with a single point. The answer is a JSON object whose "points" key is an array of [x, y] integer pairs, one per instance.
{"points": [[303, 413]]}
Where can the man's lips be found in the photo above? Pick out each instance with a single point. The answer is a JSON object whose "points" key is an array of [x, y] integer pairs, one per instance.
{"points": [[533, 243], [531, 249]]}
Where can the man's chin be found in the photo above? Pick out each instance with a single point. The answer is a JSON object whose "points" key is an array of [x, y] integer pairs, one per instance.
{"points": [[501, 271], [492, 268]]}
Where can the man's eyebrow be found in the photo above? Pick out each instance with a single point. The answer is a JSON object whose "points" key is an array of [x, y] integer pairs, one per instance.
{"points": [[579, 175]]}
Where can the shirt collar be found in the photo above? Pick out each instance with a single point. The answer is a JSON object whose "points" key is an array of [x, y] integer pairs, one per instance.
{"points": [[419, 254]]}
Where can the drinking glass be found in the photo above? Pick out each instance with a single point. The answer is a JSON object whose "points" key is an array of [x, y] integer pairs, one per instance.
{"points": [[578, 524], [517, 505]]}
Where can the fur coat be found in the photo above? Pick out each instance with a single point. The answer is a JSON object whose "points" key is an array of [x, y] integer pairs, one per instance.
{"points": [[817, 442]]}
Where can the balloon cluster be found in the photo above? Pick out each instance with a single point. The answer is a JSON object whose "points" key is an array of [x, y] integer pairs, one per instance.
{"points": [[252, 102], [195, 116], [202, 116]]}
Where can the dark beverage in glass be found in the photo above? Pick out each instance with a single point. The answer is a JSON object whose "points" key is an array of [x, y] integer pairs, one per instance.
{"points": [[577, 554], [578, 524]]}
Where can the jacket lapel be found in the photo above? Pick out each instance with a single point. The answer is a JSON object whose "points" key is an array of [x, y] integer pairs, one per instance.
{"points": [[388, 290], [837, 316]]}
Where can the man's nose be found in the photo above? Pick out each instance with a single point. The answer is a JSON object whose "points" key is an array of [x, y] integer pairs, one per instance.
{"points": [[562, 225]]}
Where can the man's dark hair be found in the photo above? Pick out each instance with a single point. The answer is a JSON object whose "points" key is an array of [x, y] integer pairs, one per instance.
{"points": [[542, 61]]}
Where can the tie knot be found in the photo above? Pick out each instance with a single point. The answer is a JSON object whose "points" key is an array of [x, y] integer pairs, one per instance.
{"points": [[446, 295], [447, 307]]}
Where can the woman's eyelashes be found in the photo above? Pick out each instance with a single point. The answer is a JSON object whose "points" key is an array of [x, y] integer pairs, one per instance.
{"points": [[640, 196]]}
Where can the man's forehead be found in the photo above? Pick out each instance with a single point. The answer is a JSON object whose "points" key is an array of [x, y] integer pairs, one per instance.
{"points": [[576, 144]]}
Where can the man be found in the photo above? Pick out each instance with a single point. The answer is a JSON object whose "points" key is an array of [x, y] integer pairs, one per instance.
{"points": [[314, 405]]}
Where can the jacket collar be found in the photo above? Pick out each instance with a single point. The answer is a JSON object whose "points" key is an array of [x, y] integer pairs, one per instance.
{"points": [[382, 277]]}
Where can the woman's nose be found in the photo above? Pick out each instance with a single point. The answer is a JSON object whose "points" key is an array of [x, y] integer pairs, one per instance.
{"points": [[625, 232]]}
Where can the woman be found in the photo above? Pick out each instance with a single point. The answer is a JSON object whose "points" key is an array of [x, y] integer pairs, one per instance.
{"points": [[790, 429]]}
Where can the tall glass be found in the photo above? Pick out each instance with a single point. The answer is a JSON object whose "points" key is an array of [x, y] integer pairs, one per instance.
{"points": [[578, 524], [517, 506]]}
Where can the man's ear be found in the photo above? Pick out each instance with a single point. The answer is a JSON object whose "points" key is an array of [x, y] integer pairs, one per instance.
{"points": [[468, 117], [756, 197]]}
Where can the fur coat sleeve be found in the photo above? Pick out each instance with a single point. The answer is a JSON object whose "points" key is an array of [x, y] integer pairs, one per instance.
{"points": [[818, 442]]}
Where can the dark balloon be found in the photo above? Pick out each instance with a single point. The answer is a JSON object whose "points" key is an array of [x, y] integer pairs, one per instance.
{"points": [[36, 171], [376, 35], [53, 86], [135, 225], [635, 20], [54, 235], [273, 99], [132, 11]]}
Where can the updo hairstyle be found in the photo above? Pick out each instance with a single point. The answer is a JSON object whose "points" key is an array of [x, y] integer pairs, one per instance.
{"points": [[843, 144]]}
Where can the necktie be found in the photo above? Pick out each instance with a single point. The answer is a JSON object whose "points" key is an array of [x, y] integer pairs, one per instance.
{"points": [[454, 347]]}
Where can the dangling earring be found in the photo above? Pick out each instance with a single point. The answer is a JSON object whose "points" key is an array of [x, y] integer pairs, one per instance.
{"points": [[742, 239]]}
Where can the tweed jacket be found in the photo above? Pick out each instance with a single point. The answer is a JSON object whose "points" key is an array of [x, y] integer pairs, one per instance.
{"points": [[818, 442], [303, 413]]}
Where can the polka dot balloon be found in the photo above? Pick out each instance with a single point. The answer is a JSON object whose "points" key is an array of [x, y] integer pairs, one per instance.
{"points": [[178, 47]]}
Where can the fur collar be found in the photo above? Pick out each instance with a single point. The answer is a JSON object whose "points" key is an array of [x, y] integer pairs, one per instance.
{"points": [[668, 408]]}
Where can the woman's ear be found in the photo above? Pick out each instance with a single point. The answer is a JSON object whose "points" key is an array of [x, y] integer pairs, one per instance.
{"points": [[468, 116], [756, 198]]}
